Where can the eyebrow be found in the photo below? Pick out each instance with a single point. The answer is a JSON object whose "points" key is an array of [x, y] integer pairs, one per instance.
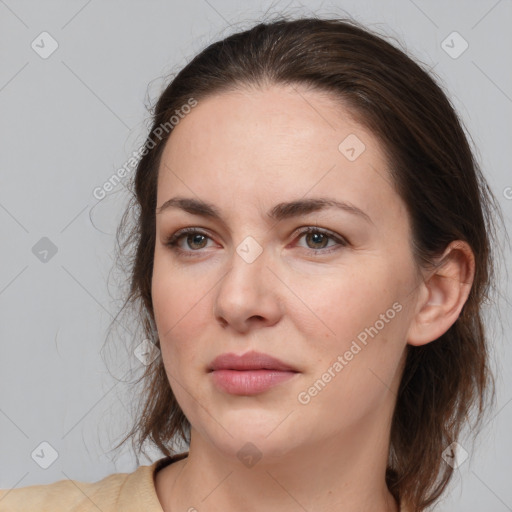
{"points": [[280, 211]]}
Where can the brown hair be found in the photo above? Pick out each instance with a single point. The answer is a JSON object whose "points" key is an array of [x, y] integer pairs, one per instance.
{"points": [[433, 169]]}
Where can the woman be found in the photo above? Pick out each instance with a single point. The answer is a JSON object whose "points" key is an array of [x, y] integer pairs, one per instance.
{"points": [[312, 248]]}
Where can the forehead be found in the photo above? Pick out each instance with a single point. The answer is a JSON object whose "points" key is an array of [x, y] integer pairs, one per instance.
{"points": [[253, 145], [281, 118]]}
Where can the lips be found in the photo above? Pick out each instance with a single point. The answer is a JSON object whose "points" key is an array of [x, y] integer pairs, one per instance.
{"points": [[248, 374], [249, 361]]}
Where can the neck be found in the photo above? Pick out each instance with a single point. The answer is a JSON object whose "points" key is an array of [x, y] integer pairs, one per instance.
{"points": [[328, 476]]}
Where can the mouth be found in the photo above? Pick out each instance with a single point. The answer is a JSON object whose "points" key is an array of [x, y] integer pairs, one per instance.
{"points": [[250, 373], [249, 361]]}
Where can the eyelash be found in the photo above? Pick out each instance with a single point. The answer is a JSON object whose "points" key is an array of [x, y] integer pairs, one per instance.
{"points": [[172, 240]]}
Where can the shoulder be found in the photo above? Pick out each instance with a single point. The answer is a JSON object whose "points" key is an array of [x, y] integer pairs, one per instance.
{"points": [[119, 491]]}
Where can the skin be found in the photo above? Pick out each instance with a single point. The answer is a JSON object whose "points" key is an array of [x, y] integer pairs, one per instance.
{"points": [[245, 151]]}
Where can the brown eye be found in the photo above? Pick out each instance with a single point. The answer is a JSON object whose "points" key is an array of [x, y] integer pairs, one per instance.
{"points": [[195, 240], [317, 240]]}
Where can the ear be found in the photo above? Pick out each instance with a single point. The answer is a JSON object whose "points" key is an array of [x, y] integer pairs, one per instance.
{"points": [[443, 294]]}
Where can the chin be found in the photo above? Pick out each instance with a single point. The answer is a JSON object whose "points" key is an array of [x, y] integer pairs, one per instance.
{"points": [[255, 436]]}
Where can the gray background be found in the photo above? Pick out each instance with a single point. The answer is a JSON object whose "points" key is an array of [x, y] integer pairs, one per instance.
{"points": [[70, 120]]}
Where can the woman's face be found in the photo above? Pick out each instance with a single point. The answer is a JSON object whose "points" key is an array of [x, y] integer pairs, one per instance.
{"points": [[336, 307]]}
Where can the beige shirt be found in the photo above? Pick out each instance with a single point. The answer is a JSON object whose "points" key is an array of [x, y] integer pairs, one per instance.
{"points": [[119, 492]]}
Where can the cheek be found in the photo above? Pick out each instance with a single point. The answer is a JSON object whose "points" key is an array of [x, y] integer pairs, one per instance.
{"points": [[352, 379], [177, 293], [342, 305], [360, 318], [178, 308]]}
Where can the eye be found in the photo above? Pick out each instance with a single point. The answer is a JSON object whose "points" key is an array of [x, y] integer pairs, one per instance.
{"points": [[192, 236], [319, 237], [197, 239]]}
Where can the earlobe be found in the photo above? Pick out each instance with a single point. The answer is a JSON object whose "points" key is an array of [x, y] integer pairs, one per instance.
{"points": [[445, 292]]}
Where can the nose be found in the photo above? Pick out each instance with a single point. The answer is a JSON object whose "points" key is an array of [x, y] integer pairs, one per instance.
{"points": [[247, 296]]}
